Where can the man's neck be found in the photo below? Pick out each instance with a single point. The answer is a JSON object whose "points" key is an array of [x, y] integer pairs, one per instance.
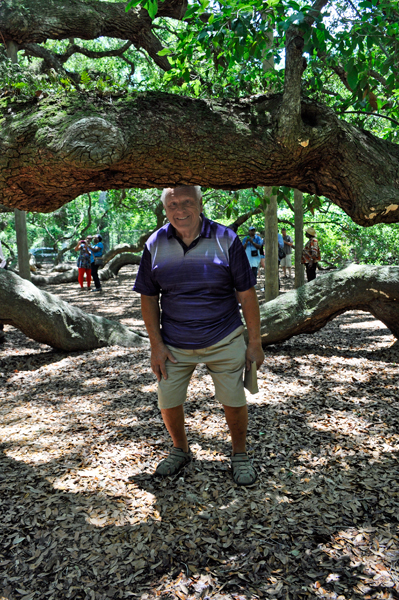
{"points": [[189, 237]]}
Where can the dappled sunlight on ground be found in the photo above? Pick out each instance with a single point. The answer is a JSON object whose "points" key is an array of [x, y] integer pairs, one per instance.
{"points": [[82, 516]]}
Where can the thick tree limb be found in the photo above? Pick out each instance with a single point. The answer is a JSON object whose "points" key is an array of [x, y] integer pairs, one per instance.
{"points": [[48, 320], [79, 142], [35, 21], [310, 307]]}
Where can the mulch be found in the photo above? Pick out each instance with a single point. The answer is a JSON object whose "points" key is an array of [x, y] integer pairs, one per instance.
{"points": [[82, 516]]}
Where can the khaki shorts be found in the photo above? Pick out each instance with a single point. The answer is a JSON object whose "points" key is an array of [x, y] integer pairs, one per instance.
{"points": [[225, 362], [286, 261]]}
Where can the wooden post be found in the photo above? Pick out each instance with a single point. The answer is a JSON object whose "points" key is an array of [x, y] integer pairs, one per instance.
{"points": [[20, 216], [271, 248], [299, 269]]}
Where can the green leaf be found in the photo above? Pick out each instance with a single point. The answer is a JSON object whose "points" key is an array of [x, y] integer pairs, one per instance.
{"points": [[352, 78], [132, 4], [164, 52], [152, 7]]}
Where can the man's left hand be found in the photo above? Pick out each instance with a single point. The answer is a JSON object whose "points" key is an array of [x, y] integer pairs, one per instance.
{"points": [[254, 353]]}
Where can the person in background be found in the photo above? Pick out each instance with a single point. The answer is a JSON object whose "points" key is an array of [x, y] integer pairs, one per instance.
{"points": [[311, 254], [253, 245], [84, 262], [97, 248], [3, 265], [288, 245]]}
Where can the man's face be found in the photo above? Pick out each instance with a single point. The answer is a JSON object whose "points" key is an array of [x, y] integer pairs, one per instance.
{"points": [[252, 233], [183, 209]]}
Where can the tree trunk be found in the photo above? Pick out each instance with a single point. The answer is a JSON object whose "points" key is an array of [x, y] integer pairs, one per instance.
{"points": [[48, 320], [20, 216], [271, 248], [52, 143], [71, 275], [307, 309], [298, 211]]}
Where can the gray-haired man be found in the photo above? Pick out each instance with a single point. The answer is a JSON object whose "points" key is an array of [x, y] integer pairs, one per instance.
{"points": [[195, 266]]}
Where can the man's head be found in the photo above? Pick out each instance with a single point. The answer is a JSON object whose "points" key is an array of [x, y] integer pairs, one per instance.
{"points": [[183, 206], [251, 231], [89, 238], [283, 232], [310, 232]]}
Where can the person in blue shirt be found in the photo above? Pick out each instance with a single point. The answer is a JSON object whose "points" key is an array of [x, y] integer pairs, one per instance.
{"points": [[253, 245], [97, 248]]}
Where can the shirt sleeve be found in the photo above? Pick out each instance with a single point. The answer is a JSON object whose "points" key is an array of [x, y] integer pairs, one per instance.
{"points": [[145, 283], [241, 273]]}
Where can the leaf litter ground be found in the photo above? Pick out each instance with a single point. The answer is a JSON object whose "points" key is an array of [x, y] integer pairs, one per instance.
{"points": [[82, 517]]}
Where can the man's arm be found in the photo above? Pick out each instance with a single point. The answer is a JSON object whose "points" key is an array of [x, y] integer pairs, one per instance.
{"points": [[250, 309], [159, 351]]}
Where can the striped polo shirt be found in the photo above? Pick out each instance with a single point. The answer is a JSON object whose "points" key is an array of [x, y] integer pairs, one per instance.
{"points": [[196, 283]]}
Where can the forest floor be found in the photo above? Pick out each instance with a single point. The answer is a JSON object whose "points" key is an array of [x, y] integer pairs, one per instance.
{"points": [[82, 517]]}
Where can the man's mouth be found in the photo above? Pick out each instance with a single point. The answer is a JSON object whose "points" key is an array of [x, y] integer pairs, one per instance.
{"points": [[181, 218]]}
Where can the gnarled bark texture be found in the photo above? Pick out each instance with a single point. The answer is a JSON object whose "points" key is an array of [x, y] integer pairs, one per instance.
{"points": [[49, 320], [56, 148], [308, 308], [35, 21]]}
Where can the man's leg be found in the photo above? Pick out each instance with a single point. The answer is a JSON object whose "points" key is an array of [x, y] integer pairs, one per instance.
{"points": [[237, 421], [174, 423], [255, 272], [171, 396]]}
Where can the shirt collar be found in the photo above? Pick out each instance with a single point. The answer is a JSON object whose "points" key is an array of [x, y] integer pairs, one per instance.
{"points": [[205, 229]]}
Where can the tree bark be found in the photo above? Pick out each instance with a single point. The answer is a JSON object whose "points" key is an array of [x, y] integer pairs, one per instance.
{"points": [[35, 21], [298, 211], [271, 248], [20, 216], [52, 143], [306, 310], [48, 320]]}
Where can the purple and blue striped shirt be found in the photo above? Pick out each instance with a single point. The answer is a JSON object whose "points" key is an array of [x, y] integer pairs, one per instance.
{"points": [[197, 283]]}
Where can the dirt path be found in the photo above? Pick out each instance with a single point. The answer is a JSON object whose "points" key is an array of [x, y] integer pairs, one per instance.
{"points": [[81, 516]]}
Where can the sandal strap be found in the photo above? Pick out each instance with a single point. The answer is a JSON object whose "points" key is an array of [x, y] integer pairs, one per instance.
{"points": [[243, 471], [175, 461]]}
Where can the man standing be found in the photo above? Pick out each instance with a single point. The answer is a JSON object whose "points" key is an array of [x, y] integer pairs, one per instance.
{"points": [[97, 248], [253, 244], [311, 254], [196, 266], [288, 245]]}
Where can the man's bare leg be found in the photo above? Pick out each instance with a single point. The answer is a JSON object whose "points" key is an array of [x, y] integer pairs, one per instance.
{"points": [[237, 421], [174, 423]]}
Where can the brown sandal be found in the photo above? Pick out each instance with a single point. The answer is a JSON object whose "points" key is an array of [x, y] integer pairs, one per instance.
{"points": [[173, 463], [243, 471]]}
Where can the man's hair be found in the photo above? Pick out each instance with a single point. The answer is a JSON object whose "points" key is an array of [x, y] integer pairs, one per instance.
{"points": [[166, 192], [99, 237]]}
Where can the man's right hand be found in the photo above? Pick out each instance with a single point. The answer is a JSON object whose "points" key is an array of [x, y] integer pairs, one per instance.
{"points": [[160, 353]]}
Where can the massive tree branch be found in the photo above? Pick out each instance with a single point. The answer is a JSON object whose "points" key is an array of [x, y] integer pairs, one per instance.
{"points": [[35, 21], [57, 148], [49, 320], [310, 307]]}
